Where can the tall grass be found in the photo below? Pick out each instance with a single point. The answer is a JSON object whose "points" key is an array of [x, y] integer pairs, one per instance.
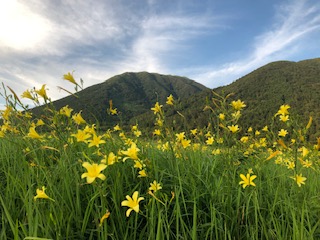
{"points": [[201, 197]]}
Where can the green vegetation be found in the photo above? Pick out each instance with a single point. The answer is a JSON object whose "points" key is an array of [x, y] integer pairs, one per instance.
{"points": [[296, 84], [263, 90], [132, 93], [62, 178]]}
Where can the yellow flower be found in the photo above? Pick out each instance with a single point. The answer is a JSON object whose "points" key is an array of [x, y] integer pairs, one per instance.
{"points": [[185, 143], [78, 118], [284, 118], [304, 151], [113, 111], [122, 136], [142, 173], [69, 77], [165, 146], [222, 116], [94, 171], [134, 128], [283, 110], [132, 203], [265, 129], [238, 105], [216, 151], [42, 92], [27, 94], [104, 217], [137, 164], [250, 129], [291, 165], [234, 128], [306, 163], [90, 130], [112, 158], [66, 111], [39, 122], [194, 131], [41, 194], [247, 180], [96, 141], [299, 179], [257, 133], [117, 127], [159, 122], [131, 152], [155, 186], [208, 134], [282, 133], [210, 141], [81, 136], [33, 133], [180, 136], [170, 100], [244, 139], [157, 132], [157, 108], [137, 133], [263, 142]]}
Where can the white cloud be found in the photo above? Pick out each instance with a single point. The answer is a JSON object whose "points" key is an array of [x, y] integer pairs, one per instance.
{"points": [[293, 22], [97, 39], [161, 35], [101, 38], [19, 27]]}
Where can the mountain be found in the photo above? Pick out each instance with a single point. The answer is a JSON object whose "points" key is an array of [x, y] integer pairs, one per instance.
{"points": [[133, 94], [264, 91], [277, 83]]}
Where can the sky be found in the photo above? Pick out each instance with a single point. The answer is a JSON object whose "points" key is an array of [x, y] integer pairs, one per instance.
{"points": [[213, 42]]}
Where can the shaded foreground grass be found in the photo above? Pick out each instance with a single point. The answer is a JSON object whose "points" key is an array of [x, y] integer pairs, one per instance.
{"points": [[208, 202], [199, 173]]}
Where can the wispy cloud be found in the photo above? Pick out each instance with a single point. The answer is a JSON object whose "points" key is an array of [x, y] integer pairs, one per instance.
{"points": [[293, 23], [162, 37], [101, 38], [97, 39]]}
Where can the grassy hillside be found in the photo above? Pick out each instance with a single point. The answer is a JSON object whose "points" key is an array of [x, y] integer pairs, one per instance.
{"points": [[263, 91], [132, 94]]}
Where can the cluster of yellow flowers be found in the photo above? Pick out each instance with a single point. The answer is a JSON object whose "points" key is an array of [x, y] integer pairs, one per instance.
{"points": [[218, 138]]}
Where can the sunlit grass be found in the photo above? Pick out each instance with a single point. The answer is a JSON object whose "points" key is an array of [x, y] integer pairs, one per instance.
{"points": [[63, 178]]}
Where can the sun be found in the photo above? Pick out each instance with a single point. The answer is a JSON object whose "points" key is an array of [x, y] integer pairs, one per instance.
{"points": [[20, 27]]}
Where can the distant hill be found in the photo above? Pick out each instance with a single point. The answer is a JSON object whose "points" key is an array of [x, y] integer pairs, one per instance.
{"points": [[277, 83], [133, 94], [263, 91]]}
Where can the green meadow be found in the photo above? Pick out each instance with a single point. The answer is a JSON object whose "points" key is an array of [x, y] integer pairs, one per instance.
{"points": [[64, 178]]}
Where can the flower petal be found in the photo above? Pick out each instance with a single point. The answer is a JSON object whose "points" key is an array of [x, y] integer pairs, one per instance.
{"points": [[102, 176], [125, 203], [135, 196], [128, 212]]}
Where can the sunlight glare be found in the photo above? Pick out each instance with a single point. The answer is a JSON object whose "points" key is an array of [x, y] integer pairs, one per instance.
{"points": [[20, 28]]}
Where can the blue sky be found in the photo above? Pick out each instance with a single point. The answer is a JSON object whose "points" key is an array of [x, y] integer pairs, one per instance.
{"points": [[214, 42]]}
